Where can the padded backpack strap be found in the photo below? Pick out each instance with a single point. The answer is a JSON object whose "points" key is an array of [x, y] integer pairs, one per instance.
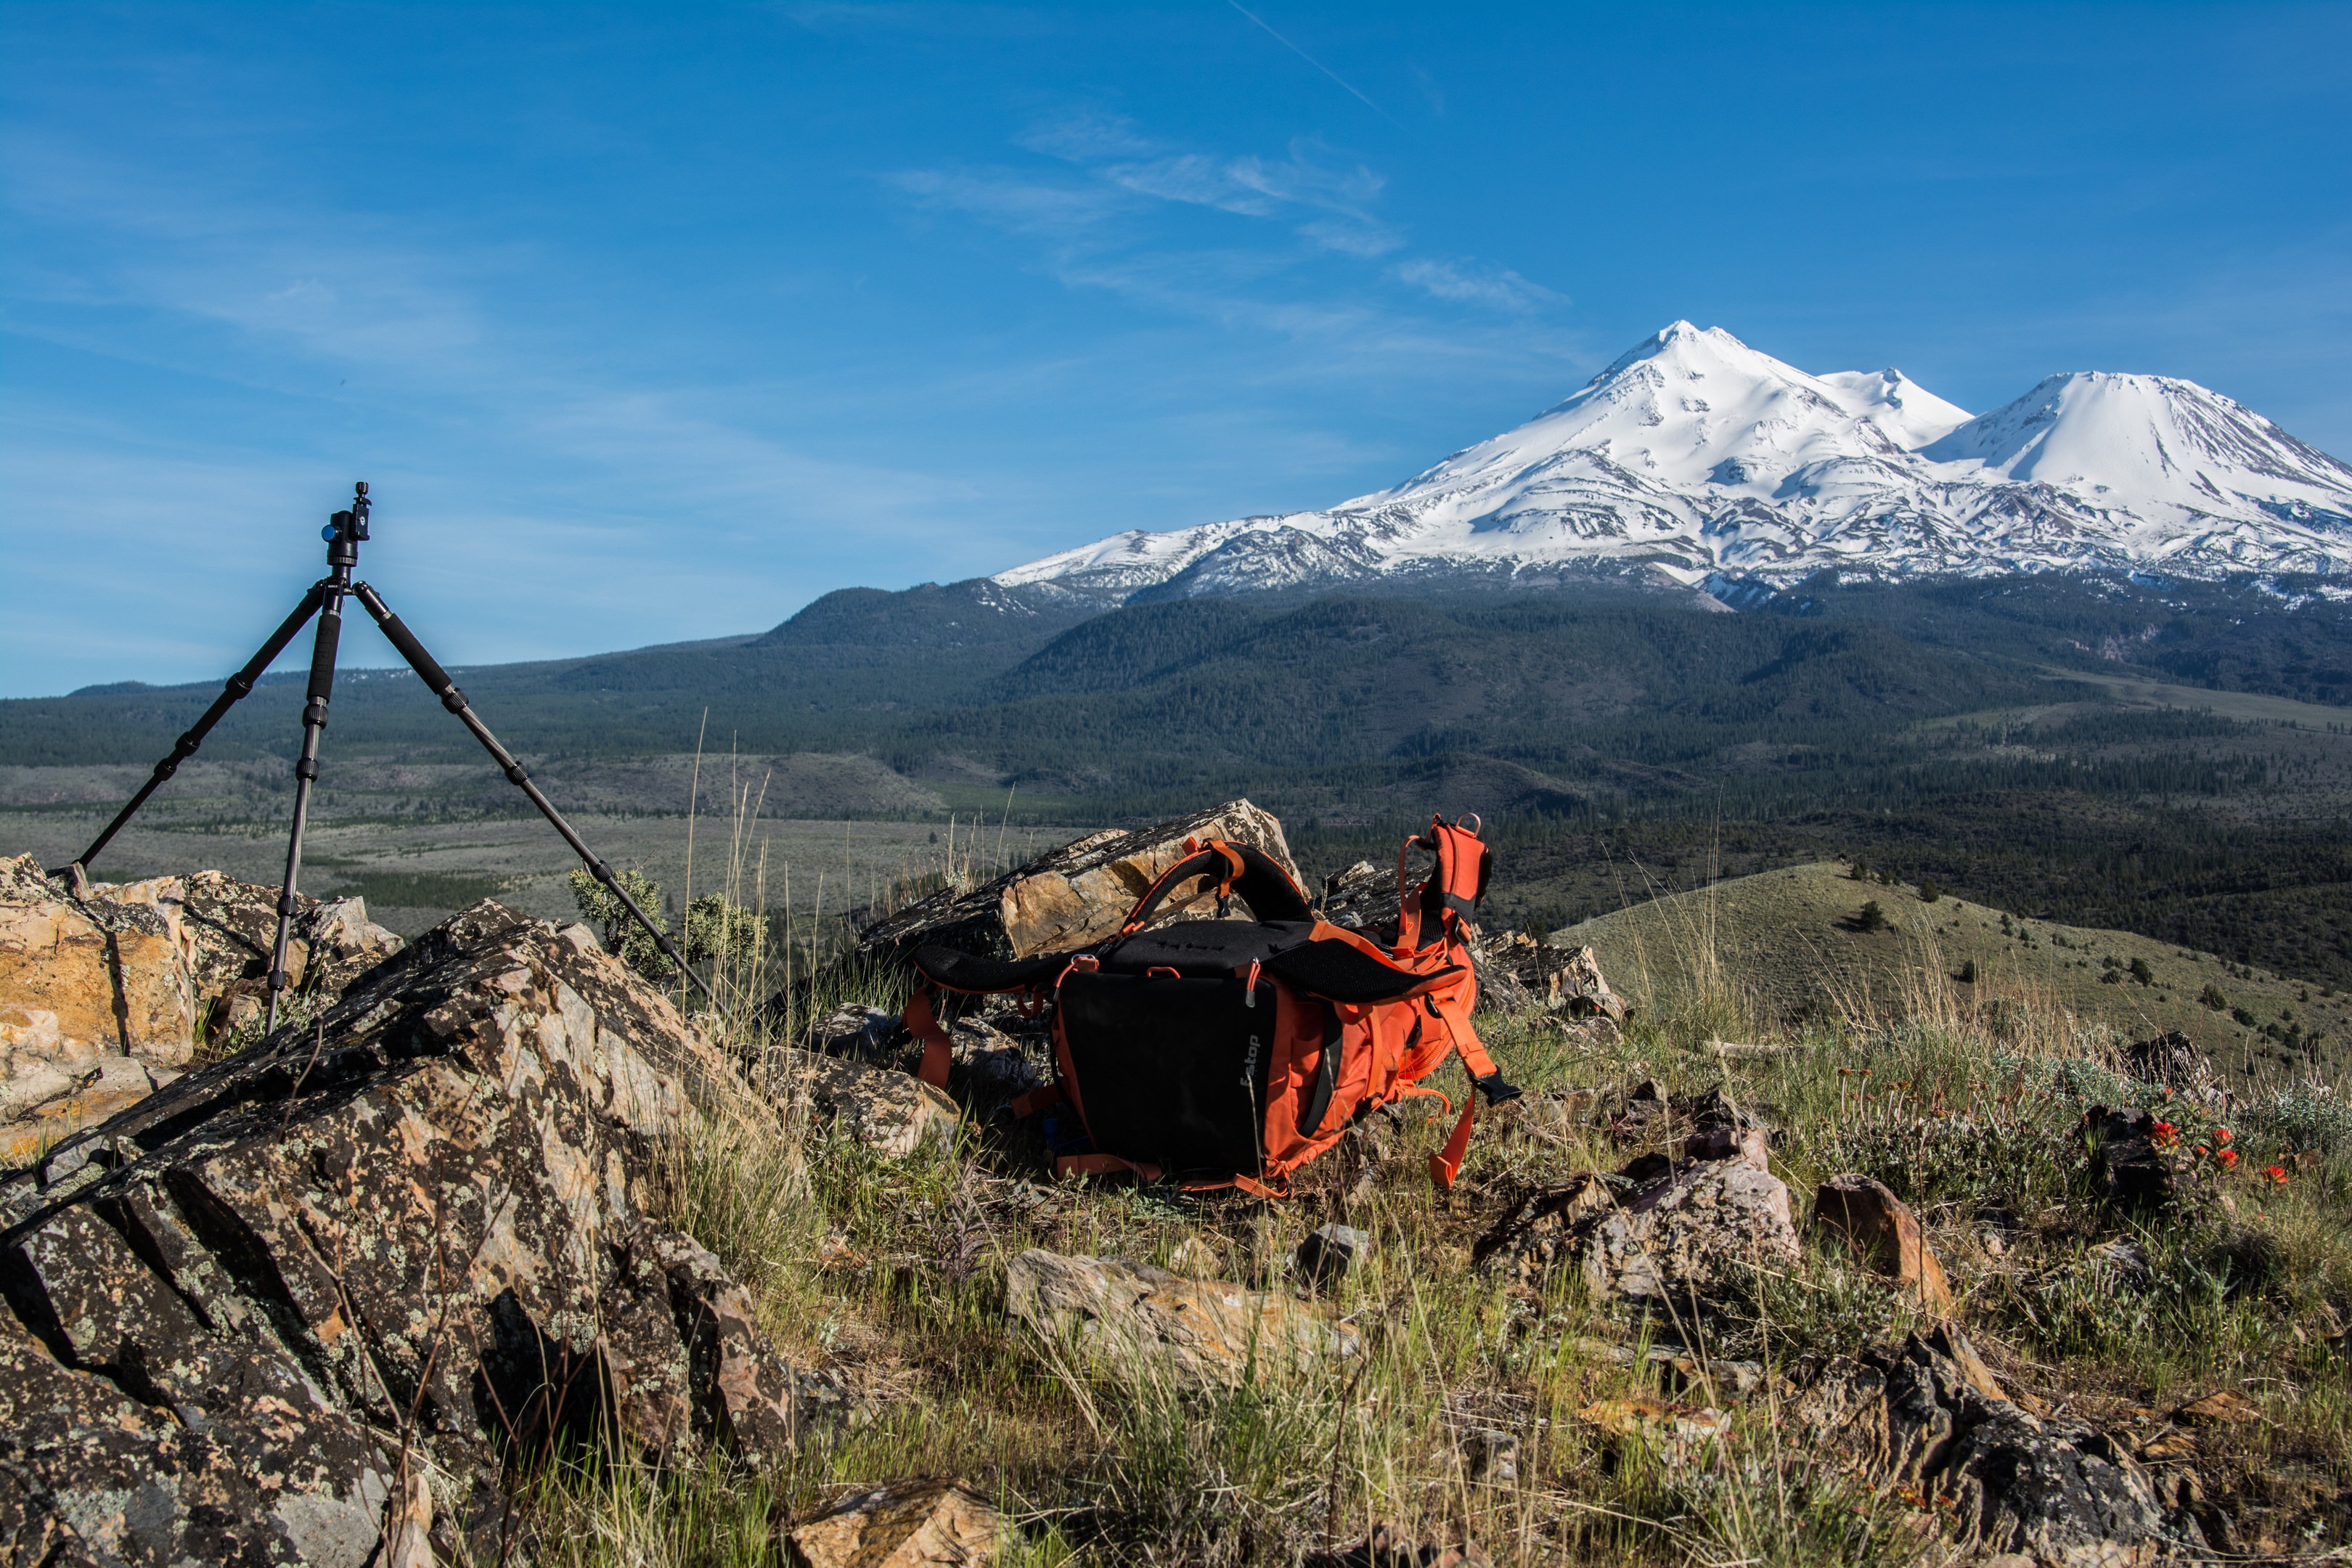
{"points": [[1464, 865], [1263, 884], [1337, 970], [951, 970], [1454, 886]]}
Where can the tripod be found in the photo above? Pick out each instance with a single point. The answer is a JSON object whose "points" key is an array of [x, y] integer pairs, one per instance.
{"points": [[345, 535]]}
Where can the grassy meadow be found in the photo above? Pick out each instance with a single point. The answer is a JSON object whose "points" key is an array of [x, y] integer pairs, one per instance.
{"points": [[1968, 1100]]}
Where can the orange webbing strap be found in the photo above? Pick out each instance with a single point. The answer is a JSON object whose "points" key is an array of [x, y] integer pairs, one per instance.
{"points": [[924, 1025], [1102, 1165], [1408, 907], [1446, 1164], [1043, 1098]]}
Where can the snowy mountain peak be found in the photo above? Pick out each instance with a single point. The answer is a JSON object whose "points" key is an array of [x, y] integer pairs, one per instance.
{"points": [[1694, 455]]}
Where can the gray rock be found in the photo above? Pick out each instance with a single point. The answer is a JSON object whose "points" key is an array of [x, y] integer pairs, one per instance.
{"points": [[1653, 1231], [1929, 1413], [1331, 1251], [861, 1032], [425, 1219]]}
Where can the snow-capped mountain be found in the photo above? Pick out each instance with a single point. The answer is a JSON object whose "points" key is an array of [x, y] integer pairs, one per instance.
{"points": [[1697, 457]]}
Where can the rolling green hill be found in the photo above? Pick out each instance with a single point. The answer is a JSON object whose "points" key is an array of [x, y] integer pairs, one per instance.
{"points": [[1789, 944]]}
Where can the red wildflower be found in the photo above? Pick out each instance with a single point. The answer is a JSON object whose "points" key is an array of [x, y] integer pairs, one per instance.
{"points": [[2220, 1135], [2226, 1158], [2275, 1175], [2164, 1134]]}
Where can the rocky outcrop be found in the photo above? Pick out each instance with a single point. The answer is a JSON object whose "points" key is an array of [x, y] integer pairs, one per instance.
{"points": [[105, 991], [1882, 1230], [1076, 895], [2179, 1064], [1928, 1414], [319, 1295], [1133, 1315]]}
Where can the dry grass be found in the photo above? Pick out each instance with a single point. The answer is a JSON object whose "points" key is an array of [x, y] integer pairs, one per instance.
{"points": [[892, 1276]]}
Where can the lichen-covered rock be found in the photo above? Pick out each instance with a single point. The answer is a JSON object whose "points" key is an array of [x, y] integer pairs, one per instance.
{"points": [[1658, 1230], [891, 1112], [1927, 1413], [1134, 1316], [1076, 895], [411, 1240]]}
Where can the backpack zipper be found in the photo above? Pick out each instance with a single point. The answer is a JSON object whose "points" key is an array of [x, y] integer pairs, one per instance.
{"points": [[1249, 986]]}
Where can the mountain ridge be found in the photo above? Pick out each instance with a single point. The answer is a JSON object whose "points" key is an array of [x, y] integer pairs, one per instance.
{"points": [[1697, 461]]}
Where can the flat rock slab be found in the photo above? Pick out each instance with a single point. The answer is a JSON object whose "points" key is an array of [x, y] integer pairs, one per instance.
{"points": [[423, 1216], [907, 1524], [1200, 1331]]}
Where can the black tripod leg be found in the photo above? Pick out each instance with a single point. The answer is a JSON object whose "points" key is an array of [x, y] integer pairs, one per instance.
{"points": [[306, 770], [239, 685], [437, 679]]}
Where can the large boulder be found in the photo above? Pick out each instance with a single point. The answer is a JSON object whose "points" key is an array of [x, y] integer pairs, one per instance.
{"points": [[1076, 895], [107, 991], [314, 1300]]}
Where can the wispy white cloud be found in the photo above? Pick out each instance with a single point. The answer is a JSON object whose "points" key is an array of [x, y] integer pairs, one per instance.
{"points": [[1468, 283], [1095, 218]]}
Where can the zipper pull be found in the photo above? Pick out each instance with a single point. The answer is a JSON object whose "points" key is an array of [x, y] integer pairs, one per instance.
{"points": [[1249, 991]]}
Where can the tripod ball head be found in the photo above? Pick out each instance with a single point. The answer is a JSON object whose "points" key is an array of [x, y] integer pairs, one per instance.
{"points": [[345, 530]]}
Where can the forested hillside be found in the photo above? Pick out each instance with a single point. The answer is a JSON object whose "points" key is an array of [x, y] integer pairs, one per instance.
{"points": [[2000, 736]]}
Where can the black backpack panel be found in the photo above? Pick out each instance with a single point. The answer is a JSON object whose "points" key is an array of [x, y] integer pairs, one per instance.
{"points": [[1174, 1071]]}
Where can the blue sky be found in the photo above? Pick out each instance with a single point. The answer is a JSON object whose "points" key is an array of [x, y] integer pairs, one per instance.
{"points": [[654, 322]]}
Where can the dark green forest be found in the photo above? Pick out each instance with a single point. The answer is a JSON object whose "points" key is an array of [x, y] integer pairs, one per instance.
{"points": [[1968, 731]]}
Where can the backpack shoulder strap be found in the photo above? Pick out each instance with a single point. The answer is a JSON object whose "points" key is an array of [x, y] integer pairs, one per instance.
{"points": [[1454, 886], [1263, 884]]}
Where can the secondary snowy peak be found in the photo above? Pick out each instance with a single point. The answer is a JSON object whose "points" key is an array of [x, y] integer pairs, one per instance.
{"points": [[1695, 455]]}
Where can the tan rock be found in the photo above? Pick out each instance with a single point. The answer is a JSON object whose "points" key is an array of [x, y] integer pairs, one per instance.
{"points": [[1882, 1229], [1202, 1333], [1078, 894], [907, 1524], [892, 1113], [2225, 1407], [1569, 980], [111, 976]]}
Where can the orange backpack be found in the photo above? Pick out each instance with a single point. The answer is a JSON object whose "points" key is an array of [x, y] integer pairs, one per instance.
{"points": [[1229, 1052]]}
